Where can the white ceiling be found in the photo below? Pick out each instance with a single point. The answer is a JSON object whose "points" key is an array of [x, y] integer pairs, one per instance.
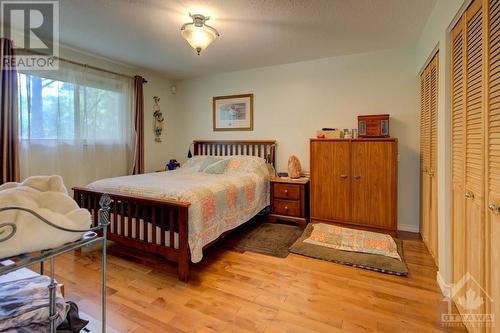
{"points": [[254, 33]]}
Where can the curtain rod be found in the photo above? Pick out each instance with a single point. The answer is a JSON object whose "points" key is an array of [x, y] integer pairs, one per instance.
{"points": [[90, 66]]}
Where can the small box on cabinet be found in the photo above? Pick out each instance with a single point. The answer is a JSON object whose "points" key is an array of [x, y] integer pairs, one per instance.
{"points": [[373, 126]]}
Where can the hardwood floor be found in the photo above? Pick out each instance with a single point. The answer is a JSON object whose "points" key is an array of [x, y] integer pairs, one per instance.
{"points": [[249, 292]]}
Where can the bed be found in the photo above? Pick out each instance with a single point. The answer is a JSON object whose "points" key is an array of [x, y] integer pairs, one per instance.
{"points": [[199, 208]]}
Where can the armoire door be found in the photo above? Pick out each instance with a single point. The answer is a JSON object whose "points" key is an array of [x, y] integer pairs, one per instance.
{"points": [[493, 164], [474, 152], [373, 183], [458, 151], [330, 180]]}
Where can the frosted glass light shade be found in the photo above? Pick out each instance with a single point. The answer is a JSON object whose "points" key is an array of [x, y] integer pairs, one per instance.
{"points": [[198, 37], [198, 34]]}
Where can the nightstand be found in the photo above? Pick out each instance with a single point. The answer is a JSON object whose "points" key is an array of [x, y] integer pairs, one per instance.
{"points": [[290, 200]]}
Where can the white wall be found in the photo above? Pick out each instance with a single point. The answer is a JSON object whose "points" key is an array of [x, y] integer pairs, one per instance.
{"points": [[156, 154], [292, 101], [435, 35]]}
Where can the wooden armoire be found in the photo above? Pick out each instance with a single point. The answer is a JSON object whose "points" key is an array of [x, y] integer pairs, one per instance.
{"points": [[428, 156], [475, 108], [354, 182]]}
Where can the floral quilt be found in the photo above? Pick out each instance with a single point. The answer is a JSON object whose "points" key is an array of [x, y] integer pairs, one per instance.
{"points": [[348, 239], [219, 202]]}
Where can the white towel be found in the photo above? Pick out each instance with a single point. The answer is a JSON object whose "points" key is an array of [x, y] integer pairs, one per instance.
{"points": [[47, 196]]}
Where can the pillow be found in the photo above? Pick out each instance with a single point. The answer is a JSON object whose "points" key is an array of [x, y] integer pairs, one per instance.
{"points": [[217, 167], [208, 160], [193, 162]]}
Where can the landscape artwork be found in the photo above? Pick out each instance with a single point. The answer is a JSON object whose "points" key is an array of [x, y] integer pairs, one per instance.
{"points": [[233, 113]]}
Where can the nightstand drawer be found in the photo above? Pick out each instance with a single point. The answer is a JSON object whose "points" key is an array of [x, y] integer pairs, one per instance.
{"points": [[287, 191], [286, 207]]}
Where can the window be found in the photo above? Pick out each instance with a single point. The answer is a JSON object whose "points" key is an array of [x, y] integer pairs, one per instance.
{"points": [[75, 122], [50, 109]]}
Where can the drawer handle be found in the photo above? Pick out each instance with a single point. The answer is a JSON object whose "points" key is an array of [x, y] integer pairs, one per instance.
{"points": [[495, 208], [286, 207], [286, 191], [469, 195], [357, 177], [343, 176]]}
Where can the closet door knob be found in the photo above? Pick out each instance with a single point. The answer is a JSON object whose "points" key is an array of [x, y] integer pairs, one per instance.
{"points": [[469, 195], [495, 208]]}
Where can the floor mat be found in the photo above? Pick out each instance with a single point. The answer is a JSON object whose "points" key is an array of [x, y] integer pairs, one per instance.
{"points": [[375, 262], [271, 239]]}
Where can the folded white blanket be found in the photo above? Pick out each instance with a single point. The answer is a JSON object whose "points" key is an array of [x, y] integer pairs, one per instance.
{"points": [[47, 196]]}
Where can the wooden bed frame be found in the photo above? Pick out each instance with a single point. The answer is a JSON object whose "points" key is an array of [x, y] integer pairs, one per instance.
{"points": [[165, 214]]}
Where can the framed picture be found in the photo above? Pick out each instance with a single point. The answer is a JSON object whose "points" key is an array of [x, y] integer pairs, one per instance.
{"points": [[233, 113]]}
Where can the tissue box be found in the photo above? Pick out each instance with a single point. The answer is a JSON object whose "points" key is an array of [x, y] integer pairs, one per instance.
{"points": [[335, 134]]}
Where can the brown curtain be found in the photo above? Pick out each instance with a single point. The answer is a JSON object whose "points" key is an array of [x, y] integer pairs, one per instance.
{"points": [[139, 125], [9, 140]]}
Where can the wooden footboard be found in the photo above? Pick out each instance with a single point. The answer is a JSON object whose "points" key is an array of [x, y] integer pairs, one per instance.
{"points": [[151, 225]]}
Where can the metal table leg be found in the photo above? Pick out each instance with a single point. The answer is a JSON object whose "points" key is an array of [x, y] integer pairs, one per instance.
{"points": [[52, 298]]}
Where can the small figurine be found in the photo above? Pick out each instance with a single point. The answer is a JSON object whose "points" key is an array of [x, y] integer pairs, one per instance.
{"points": [[158, 119], [173, 164]]}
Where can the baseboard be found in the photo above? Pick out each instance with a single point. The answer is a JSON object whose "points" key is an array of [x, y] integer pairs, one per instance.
{"points": [[445, 287], [408, 227]]}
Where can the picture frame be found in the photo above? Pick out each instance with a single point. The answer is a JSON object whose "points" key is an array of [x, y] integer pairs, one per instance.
{"points": [[233, 112]]}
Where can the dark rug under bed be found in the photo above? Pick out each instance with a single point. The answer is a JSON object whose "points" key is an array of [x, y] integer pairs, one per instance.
{"points": [[373, 262]]}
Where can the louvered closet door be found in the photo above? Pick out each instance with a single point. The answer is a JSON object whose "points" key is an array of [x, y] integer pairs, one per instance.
{"points": [[423, 130], [474, 149], [428, 156], [433, 122], [458, 150], [493, 156], [425, 155]]}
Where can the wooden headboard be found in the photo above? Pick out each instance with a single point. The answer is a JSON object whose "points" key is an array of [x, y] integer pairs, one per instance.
{"points": [[261, 148]]}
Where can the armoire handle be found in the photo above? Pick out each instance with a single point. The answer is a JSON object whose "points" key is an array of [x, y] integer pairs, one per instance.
{"points": [[343, 176], [357, 177], [495, 208], [469, 195]]}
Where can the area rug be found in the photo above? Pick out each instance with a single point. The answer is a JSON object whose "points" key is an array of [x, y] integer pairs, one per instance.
{"points": [[272, 239], [327, 246]]}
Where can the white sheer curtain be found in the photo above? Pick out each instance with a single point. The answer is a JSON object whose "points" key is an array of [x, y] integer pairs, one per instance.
{"points": [[76, 122]]}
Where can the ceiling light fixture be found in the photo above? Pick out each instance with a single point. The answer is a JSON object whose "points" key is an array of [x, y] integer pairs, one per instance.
{"points": [[198, 34]]}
